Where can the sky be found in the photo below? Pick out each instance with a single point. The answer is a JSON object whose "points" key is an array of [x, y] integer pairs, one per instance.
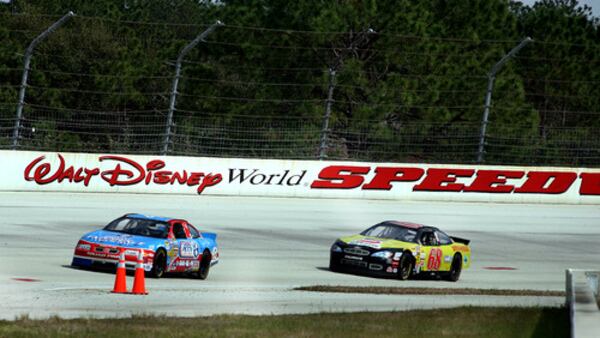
{"points": [[595, 4]]}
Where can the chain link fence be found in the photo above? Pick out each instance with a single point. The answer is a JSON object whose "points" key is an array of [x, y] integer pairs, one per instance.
{"points": [[234, 100], [142, 132]]}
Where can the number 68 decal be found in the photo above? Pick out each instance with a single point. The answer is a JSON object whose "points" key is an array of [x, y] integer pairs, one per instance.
{"points": [[435, 259]]}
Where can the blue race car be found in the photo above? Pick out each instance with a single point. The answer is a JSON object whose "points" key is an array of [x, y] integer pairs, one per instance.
{"points": [[169, 245]]}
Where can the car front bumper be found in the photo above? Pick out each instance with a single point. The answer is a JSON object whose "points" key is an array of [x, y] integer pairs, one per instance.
{"points": [[364, 264]]}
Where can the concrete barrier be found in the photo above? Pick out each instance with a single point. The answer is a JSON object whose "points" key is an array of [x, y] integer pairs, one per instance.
{"points": [[77, 172], [583, 302]]}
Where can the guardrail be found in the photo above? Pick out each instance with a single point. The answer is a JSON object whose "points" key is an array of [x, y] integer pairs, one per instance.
{"points": [[583, 302]]}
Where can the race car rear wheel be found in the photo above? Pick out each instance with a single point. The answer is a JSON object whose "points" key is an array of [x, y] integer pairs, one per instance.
{"points": [[405, 268], [455, 269], [159, 264], [204, 265]]}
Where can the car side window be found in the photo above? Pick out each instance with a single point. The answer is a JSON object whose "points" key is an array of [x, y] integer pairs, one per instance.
{"points": [[443, 239], [193, 231], [178, 231], [428, 238]]}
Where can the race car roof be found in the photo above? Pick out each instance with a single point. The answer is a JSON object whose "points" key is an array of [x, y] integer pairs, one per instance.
{"points": [[153, 218], [409, 224]]}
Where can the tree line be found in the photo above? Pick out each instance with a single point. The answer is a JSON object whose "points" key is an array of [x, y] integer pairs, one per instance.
{"points": [[408, 78]]}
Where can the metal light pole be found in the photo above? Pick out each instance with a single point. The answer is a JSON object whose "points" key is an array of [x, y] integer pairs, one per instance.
{"points": [[488, 94], [173, 99], [28, 54], [325, 131]]}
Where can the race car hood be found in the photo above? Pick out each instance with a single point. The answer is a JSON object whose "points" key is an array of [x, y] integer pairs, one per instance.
{"points": [[375, 242], [120, 239]]}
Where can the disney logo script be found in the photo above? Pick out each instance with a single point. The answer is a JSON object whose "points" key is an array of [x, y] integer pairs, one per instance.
{"points": [[126, 172]]}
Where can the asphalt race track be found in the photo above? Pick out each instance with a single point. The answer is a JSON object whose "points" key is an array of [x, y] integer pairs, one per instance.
{"points": [[270, 245]]}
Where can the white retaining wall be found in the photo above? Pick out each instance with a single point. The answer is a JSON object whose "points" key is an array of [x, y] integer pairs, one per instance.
{"points": [[75, 172], [582, 295]]}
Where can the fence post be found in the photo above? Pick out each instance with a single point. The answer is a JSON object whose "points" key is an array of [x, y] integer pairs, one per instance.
{"points": [[488, 95], [28, 54], [325, 130], [173, 98]]}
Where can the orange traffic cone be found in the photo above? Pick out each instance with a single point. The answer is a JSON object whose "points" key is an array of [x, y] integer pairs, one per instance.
{"points": [[120, 280], [139, 282]]}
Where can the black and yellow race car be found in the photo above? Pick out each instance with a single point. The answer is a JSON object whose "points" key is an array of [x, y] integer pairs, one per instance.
{"points": [[401, 249]]}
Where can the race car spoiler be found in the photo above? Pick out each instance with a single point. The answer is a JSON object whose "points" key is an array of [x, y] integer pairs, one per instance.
{"points": [[210, 235], [460, 240]]}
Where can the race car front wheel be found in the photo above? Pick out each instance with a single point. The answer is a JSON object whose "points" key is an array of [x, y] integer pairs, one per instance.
{"points": [[204, 265], [455, 269], [333, 265], [159, 264], [405, 267]]}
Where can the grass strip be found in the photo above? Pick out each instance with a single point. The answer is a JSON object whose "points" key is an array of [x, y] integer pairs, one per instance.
{"points": [[456, 322], [429, 291]]}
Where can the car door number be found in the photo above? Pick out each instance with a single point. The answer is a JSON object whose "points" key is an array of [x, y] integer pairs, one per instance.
{"points": [[188, 249], [435, 259]]}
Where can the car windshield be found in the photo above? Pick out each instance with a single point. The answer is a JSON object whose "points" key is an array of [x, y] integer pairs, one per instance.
{"points": [[140, 227], [391, 231]]}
